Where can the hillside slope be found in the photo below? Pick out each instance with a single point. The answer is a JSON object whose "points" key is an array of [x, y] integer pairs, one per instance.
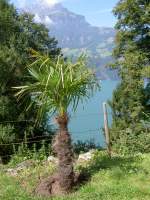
{"points": [[76, 35], [125, 178]]}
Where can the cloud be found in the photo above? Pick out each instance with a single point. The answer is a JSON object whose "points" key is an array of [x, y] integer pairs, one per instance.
{"points": [[47, 20], [44, 20], [48, 3], [37, 18], [35, 8]]}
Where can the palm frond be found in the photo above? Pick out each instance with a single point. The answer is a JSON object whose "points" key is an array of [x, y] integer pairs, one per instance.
{"points": [[58, 84]]}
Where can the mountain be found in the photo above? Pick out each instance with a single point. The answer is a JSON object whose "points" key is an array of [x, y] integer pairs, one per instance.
{"points": [[75, 35]]}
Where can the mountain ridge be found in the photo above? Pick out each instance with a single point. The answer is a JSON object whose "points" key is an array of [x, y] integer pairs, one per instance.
{"points": [[75, 35]]}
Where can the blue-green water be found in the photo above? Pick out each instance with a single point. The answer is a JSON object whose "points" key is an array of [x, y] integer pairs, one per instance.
{"points": [[87, 122]]}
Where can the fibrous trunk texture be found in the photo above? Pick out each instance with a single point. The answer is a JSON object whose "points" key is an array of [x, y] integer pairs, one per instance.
{"points": [[63, 148], [63, 181]]}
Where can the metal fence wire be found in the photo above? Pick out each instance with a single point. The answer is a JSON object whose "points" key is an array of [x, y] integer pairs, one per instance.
{"points": [[8, 128]]}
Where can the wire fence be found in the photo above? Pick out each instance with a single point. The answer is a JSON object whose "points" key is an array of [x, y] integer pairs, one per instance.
{"points": [[38, 139], [71, 117], [43, 138]]}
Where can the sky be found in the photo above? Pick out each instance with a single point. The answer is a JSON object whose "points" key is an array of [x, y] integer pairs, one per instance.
{"points": [[96, 12]]}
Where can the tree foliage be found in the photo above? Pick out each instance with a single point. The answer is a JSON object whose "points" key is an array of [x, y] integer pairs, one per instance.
{"points": [[58, 83], [18, 34], [130, 103]]}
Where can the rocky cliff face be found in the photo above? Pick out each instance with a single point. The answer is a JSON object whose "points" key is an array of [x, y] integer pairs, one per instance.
{"points": [[76, 35]]}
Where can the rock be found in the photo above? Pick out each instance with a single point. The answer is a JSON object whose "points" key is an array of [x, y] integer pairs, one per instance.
{"points": [[52, 159], [11, 172], [25, 164], [85, 156], [21, 166]]}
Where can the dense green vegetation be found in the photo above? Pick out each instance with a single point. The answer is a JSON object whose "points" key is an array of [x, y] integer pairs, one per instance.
{"points": [[130, 104], [18, 34]]}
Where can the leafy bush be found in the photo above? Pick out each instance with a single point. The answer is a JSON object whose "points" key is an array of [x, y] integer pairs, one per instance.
{"points": [[82, 147], [132, 141], [24, 153], [7, 136]]}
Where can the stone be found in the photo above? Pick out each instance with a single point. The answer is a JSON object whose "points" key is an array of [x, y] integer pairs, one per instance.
{"points": [[11, 172], [25, 164], [21, 166], [85, 156], [52, 159]]}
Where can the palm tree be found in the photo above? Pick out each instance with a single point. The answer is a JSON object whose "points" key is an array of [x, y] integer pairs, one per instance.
{"points": [[57, 85]]}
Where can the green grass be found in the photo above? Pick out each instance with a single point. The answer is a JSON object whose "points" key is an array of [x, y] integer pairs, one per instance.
{"points": [[119, 178]]}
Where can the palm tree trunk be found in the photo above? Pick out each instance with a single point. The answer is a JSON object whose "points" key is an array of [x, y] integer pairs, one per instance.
{"points": [[63, 148]]}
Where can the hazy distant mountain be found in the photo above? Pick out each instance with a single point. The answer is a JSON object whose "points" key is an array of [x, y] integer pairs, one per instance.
{"points": [[76, 35]]}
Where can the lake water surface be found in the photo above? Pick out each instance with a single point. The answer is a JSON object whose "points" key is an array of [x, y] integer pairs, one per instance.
{"points": [[87, 122]]}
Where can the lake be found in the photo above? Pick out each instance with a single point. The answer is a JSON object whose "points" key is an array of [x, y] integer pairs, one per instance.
{"points": [[87, 122]]}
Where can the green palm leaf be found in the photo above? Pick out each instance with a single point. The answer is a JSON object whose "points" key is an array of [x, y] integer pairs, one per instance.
{"points": [[58, 84]]}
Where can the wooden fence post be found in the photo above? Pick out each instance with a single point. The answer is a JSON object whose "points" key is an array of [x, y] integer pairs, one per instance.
{"points": [[107, 134], [1, 161]]}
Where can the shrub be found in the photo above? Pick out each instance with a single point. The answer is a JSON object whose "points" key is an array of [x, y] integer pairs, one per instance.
{"points": [[82, 147]]}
